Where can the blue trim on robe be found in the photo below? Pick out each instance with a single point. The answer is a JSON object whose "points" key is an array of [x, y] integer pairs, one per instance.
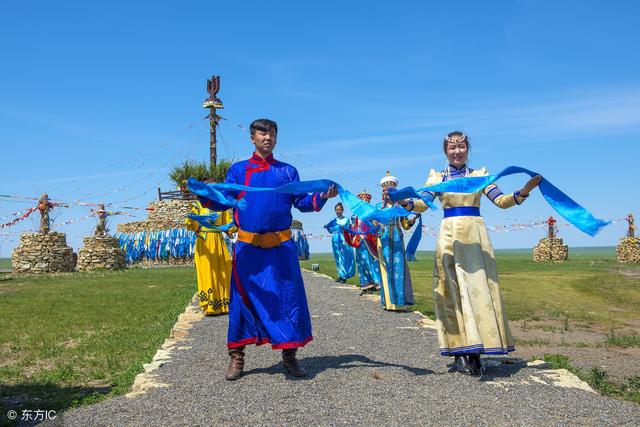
{"points": [[478, 348]]}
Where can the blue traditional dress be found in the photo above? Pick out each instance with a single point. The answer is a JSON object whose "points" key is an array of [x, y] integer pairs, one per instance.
{"points": [[470, 313], [366, 255], [300, 239], [396, 292], [268, 300], [342, 252]]}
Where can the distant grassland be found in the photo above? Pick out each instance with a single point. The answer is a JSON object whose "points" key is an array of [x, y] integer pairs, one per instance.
{"points": [[588, 287]]}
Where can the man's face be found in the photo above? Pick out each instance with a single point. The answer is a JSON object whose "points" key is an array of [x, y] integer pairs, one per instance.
{"points": [[265, 142]]}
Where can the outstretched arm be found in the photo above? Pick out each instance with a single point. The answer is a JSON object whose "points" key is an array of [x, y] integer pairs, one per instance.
{"points": [[229, 194], [504, 201], [312, 202], [419, 206]]}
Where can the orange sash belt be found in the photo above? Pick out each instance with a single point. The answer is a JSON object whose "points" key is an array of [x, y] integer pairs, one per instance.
{"points": [[267, 240]]}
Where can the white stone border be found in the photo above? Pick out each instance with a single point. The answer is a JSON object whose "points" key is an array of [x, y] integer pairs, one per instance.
{"points": [[147, 380]]}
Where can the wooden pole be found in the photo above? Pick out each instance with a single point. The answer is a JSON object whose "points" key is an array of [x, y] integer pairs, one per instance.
{"points": [[44, 207], [213, 103], [213, 143]]}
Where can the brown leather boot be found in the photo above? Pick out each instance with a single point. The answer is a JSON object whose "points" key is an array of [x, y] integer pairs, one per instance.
{"points": [[291, 363], [236, 364]]}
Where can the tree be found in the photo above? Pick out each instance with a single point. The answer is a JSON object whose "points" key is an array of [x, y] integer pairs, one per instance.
{"points": [[200, 171]]}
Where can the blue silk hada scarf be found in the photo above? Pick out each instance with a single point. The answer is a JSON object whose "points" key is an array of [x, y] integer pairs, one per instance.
{"points": [[578, 216], [359, 208], [363, 210], [559, 201]]}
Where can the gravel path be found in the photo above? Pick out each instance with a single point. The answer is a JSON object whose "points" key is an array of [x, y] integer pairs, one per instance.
{"points": [[366, 367]]}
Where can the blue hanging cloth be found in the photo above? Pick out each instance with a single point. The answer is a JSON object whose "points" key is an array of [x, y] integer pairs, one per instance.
{"points": [[414, 241]]}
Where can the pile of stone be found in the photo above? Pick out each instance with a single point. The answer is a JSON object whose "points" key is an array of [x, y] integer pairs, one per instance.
{"points": [[628, 250], [163, 215], [101, 252], [550, 249], [42, 253]]}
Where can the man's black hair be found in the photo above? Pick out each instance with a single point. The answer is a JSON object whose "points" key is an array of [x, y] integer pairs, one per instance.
{"points": [[264, 125]]}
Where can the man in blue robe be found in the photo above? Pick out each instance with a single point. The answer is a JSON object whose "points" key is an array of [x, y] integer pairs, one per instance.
{"points": [[268, 300]]}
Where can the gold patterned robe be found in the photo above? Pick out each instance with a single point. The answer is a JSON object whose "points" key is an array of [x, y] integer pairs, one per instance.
{"points": [[213, 264], [470, 313]]}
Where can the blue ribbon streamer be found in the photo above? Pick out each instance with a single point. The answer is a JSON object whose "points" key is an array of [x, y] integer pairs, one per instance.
{"points": [[358, 207], [559, 201], [414, 241], [207, 221]]}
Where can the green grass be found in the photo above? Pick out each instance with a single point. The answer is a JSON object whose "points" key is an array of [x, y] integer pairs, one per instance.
{"points": [[74, 338], [5, 262], [629, 340], [598, 379]]}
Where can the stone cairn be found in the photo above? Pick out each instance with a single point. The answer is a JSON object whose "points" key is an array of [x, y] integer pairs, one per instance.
{"points": [[163, 215], [551, 248], [44, 251], [628, 250], [101, 251]]}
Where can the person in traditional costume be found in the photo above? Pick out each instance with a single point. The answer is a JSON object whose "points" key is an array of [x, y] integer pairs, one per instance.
{"points": [[366, 248], [268, 300], [342, 252], [551, 229], [470, 313], [396, 292], [212, 260], [631, 229], [300, 239]]}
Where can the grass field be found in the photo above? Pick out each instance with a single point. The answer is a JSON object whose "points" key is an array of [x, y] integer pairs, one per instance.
{"points": [[73, 338], [5, 262]]}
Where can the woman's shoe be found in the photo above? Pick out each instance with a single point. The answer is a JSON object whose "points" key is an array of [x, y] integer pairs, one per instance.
{"points": [[462, 364], [475, 364]]}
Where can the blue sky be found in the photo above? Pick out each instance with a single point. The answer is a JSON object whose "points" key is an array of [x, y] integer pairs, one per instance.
{"points": [[98, 101]]}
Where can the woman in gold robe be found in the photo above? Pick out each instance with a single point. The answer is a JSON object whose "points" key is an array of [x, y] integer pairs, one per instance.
{"points": [[213, 262], [471, 318]]}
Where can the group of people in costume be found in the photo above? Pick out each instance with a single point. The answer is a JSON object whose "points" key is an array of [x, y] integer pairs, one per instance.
{"points": [[379, 252], [267, 302]]}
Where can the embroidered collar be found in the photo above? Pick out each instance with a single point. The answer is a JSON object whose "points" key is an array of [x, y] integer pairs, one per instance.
{"points": [[258, 160], [453, 171]]}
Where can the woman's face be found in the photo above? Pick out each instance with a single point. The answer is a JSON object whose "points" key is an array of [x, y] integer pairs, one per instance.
{"points": [[339, 210], [457, 153]]}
